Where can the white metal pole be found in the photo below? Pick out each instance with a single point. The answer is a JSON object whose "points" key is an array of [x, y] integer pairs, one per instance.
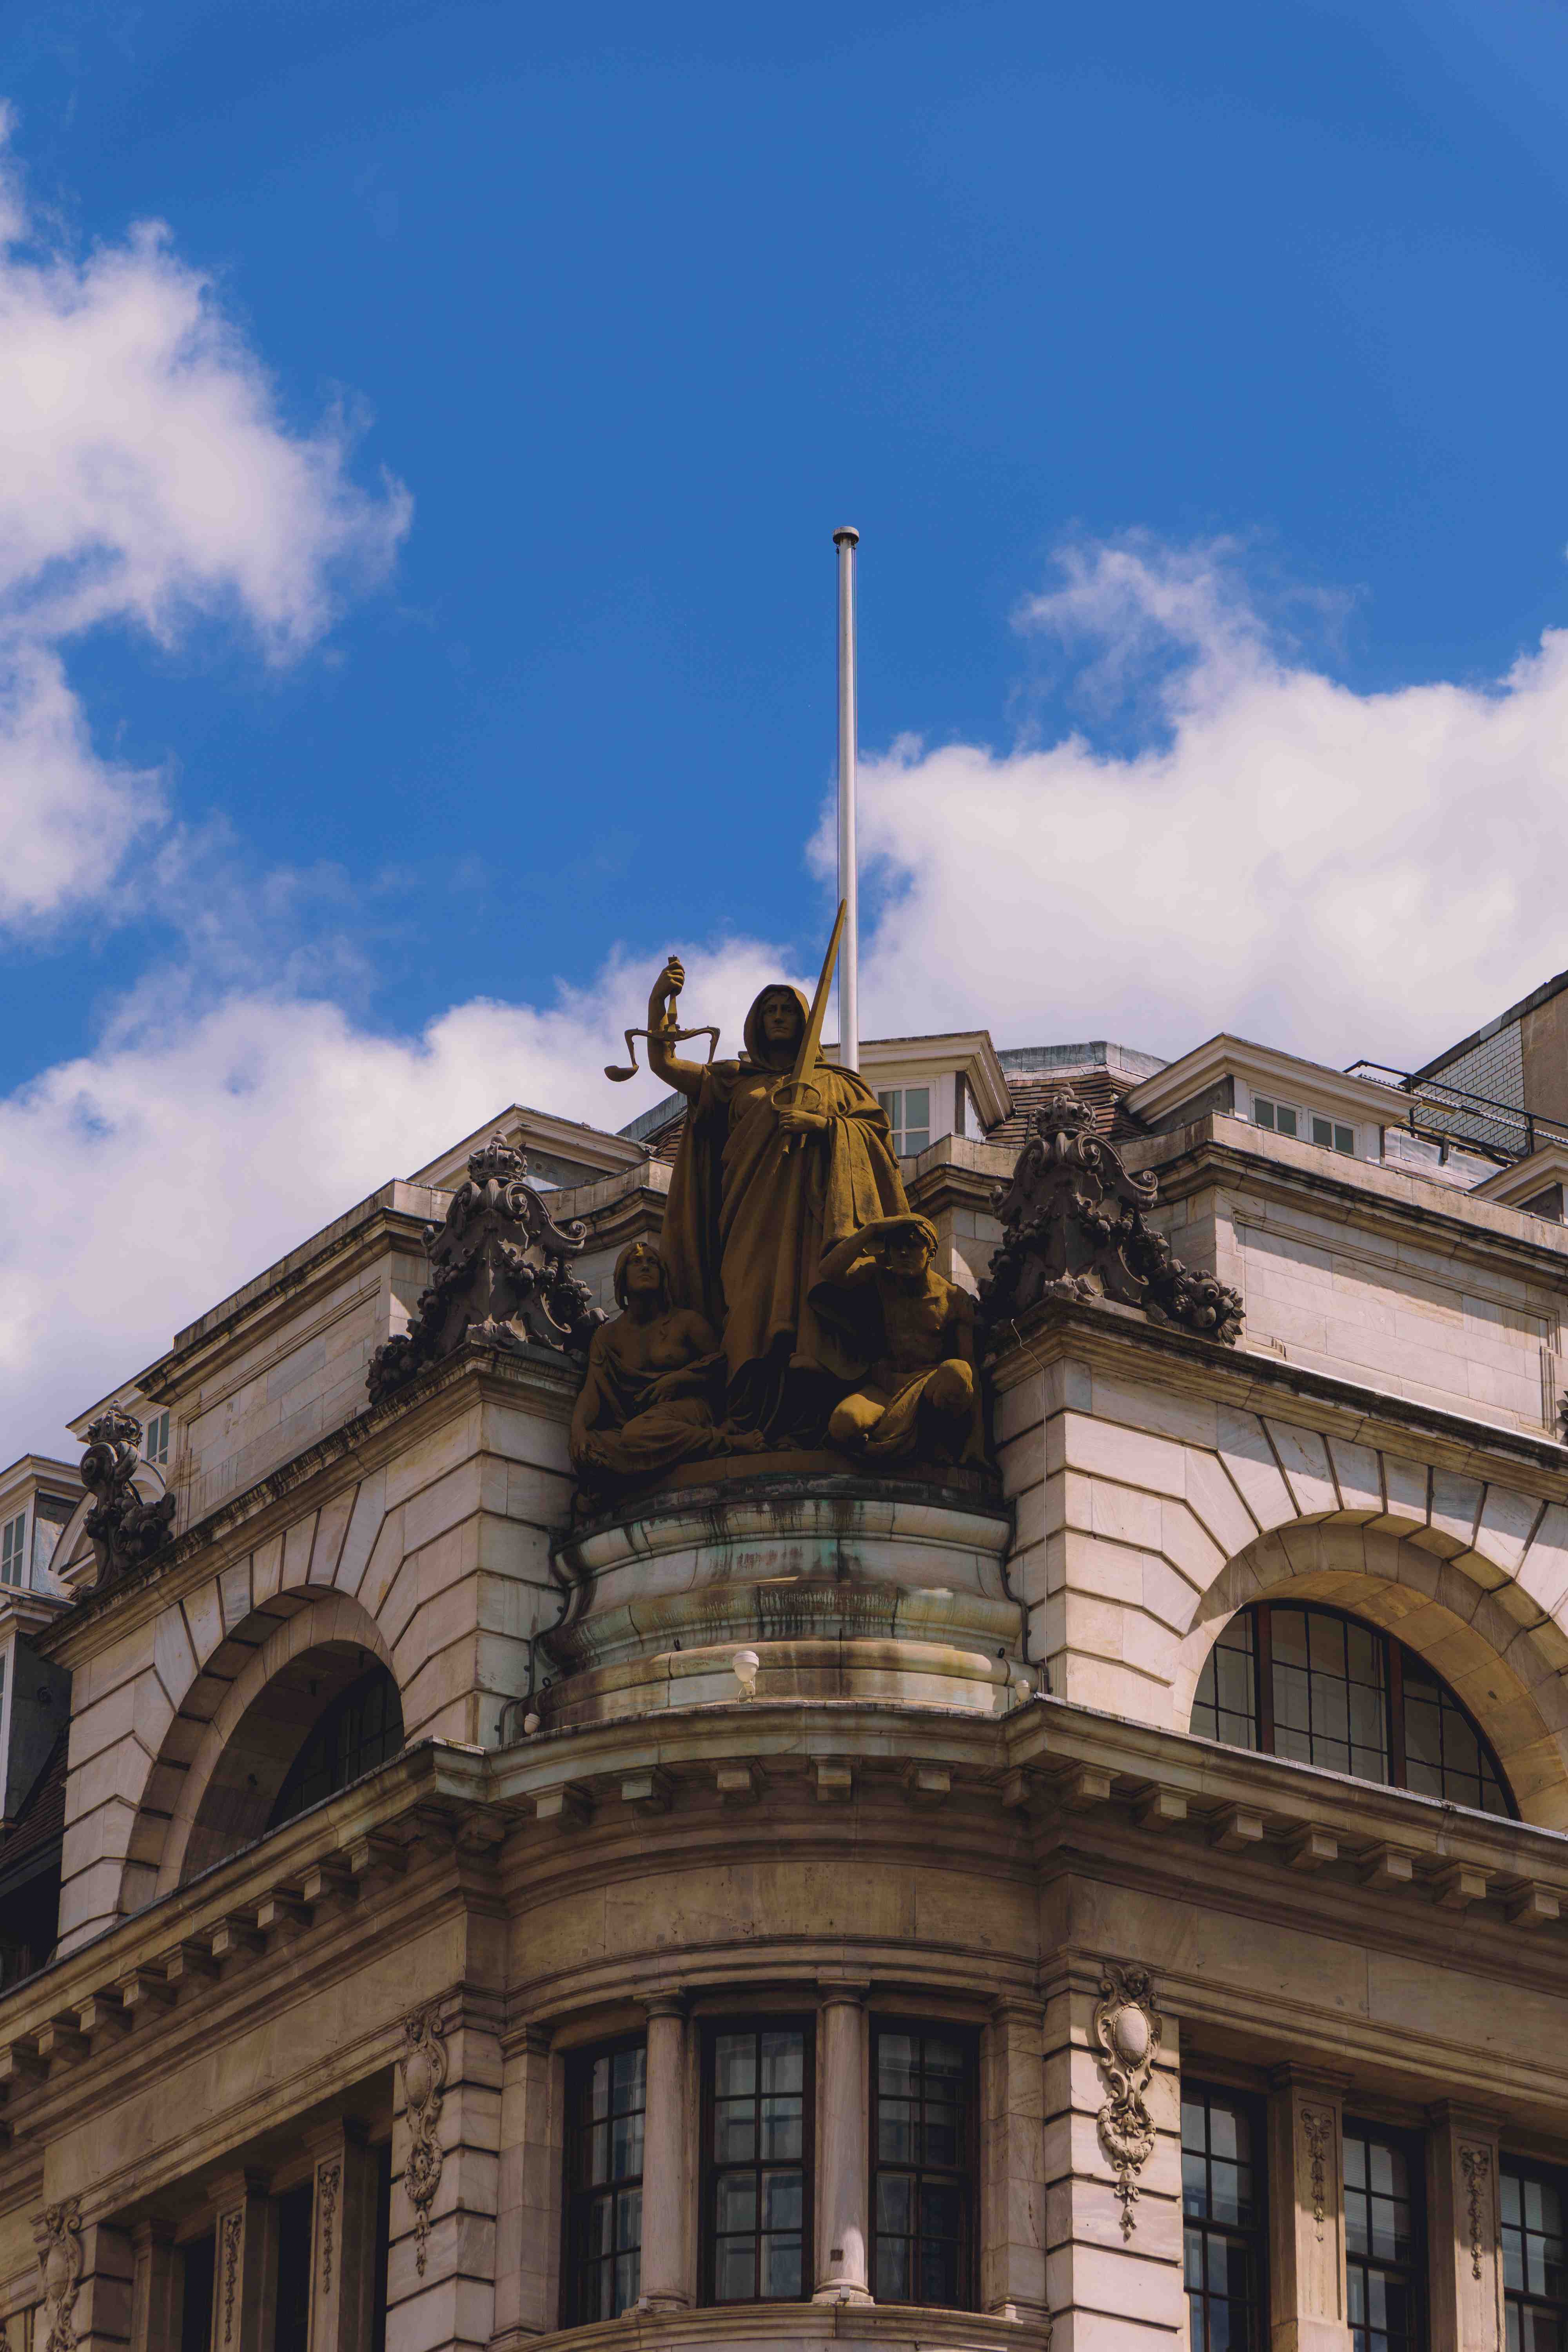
{"points": [[846, 539]]}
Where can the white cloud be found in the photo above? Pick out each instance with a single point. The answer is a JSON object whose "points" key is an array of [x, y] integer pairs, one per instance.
{"points": [[173, 1164], [148, 480], [1341, 874]]}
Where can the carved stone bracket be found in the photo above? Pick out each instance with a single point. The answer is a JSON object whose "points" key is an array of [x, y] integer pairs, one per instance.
{"points": [[423, 2066], [499, 1273], [57, 2234], [1073, 1226], [1476, 2163], [1126, 2030], [121, 1526]]}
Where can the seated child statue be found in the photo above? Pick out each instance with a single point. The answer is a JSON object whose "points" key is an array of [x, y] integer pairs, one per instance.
{"points": [[653, 1376], [912, 1331]]}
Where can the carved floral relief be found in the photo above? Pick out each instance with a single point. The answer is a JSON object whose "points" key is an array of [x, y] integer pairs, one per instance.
{"points": [[1126, 2030], [58, 2235], [423, 2066]]}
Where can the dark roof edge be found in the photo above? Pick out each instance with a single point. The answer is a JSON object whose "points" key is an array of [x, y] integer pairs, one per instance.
{"points": [[1548, 989]]}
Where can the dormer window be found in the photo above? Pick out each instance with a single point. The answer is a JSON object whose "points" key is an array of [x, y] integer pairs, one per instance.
{"points": [[908, 1116], [1307, 1126], [13, 1551]]}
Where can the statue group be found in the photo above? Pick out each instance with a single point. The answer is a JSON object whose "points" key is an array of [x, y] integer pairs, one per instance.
{"points": [[794, 1299]]}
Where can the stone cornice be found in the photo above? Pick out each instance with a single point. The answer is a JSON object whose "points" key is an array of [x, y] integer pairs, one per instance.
{"points": [[1389, 1200], [1124, 1339]]}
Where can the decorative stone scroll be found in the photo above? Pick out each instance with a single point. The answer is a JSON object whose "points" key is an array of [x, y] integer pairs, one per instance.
{"points": [[1476, 2163], [499, 1273], [422, 2066], [1073, 1227], [123, 1527], [58, 2237], [1126, 2030]]}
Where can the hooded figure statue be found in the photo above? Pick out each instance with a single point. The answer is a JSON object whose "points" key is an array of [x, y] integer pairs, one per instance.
{"points": [[761, 1192]]}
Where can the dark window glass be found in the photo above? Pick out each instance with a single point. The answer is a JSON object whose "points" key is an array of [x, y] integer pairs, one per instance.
{"points": [[757, 2163], [292, 2330], [922, 2166], [606, 2095], [1534, 2258], [360, 1729], [1323, 1688], [1224, 2220], [382, 2247], [1384, 2258], [196, 2312]]}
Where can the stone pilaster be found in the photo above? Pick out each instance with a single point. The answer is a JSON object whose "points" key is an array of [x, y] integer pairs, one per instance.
{"points": [[87, 2270], [1013, 2191], [665, 2286], [1113, 2264], [1463, 2232], [1306, 2214], [158, 2288], [529, 2219], [842, 2234], [245, 2267], [344, 2249], [445, 2137]]}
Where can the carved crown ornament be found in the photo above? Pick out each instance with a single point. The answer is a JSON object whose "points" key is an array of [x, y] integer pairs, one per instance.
{"points": [[57, 2233], [123, 1527], [500, 1274], [423, 2066], [1073, 1226], [1126, 2031]]}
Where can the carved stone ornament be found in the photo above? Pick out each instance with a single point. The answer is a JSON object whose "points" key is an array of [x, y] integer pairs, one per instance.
{"points": [[1126, 2030], [58, 2237], [422, 2066], [1318, 2123], [1073, 1227], [123, 1528], [231, 2230], [328, 2177], [499, 1273], [1476, 2163]]}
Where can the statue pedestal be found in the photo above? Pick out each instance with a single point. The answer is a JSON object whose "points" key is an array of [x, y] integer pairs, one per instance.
{"points": [[845, 1587]]}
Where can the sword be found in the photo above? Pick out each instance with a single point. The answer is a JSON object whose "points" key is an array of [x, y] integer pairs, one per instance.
{"points": [[799, 1082]]}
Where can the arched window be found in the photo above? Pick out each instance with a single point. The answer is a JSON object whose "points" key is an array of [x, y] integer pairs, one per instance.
{"points": [[1323, 1688], [360, 1729]]}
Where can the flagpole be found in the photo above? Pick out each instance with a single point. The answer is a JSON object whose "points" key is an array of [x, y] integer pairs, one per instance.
{"points": [[846, 539]]}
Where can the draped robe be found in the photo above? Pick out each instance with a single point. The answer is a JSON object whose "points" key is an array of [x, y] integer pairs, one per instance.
{"points": [[749, 1220]]}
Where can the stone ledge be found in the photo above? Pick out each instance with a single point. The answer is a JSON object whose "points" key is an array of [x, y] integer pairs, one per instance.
{"points": [[785, 2325]]}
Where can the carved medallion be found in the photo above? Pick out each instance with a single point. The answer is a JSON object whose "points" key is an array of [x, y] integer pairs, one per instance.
{"points": [[1126, 2029], [423, 2066], [57, 2233]]}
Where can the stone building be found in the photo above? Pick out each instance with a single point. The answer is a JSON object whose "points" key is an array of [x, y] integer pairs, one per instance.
{"points": [[1112, 1896]]}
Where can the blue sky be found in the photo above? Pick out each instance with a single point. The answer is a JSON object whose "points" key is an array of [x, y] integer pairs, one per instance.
{"points": [[1195, 377]]}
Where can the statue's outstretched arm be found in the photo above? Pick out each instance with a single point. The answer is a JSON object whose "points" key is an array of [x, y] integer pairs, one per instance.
{"points": [[662, 1059]]}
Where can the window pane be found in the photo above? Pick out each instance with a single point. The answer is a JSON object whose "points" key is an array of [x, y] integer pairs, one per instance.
{"points": [[1284, 1118], [1262, 1112], [920, 2187], [1323, 1131], [917, 1106], [1345, 1140]]}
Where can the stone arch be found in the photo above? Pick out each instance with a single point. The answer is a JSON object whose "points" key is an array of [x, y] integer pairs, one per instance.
{"points": [[220, 1741], [1489, 1643]]}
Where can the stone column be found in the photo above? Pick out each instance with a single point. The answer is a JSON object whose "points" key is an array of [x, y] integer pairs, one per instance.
{"points": [[1113, 2265], [1013, 2186], [528, 2251], [245, 2268], [1462, 2230], [1306, 2214], [445, 2135], [344, 2249], [842, 2274], [664, 2281], [158, 2288]]}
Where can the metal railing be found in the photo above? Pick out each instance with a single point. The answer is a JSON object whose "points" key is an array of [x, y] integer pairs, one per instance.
{"points": [[1456, 1114]]}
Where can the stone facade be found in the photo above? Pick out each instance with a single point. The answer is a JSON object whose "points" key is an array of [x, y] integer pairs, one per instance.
{"points": [[855, 1768]]}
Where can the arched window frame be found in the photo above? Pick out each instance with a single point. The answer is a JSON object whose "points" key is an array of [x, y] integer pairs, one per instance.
{"points": [[322, 1733], [1260, 1614]]}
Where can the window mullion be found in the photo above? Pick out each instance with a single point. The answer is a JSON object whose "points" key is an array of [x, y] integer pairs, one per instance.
{"points": [[1393, 1675], [1265, 1672]]}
